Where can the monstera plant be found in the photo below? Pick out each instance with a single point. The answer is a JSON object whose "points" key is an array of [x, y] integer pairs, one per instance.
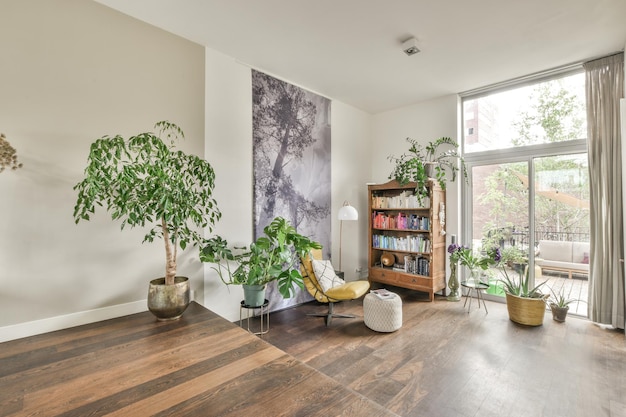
{"points": [[145, 182], [274, 256]]}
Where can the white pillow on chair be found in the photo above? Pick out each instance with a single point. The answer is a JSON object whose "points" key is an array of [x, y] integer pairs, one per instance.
{"points": [[325, 274]]}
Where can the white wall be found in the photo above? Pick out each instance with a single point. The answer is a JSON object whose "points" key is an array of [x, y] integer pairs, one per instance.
{"points": [[229, 148], [72, 71], [352, 133], [228, 145], [425, 122]]}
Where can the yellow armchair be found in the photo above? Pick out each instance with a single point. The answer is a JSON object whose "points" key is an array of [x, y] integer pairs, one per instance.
{"points": [[348, 291]]}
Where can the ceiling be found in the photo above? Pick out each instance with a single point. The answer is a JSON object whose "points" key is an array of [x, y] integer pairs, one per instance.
{"points": [[351, 50]]}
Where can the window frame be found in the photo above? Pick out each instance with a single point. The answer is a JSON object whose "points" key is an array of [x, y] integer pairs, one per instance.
{"points": [[525, 153]]}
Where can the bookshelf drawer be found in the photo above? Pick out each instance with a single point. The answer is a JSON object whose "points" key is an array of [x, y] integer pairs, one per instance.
{"points": [[383, 275], [415, 281]]}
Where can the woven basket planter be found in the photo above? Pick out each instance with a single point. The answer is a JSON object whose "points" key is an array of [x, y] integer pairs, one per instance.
{"points": [[527, 311]]}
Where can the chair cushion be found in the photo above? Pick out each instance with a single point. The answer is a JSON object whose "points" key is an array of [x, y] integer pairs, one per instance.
{"points": [[325, 274], [349, 291]]}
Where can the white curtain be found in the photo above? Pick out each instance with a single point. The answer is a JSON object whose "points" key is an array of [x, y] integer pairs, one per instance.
{"points": [[604, 88]]}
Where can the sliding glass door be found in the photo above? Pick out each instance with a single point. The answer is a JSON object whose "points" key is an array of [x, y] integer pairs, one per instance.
{"points": [[561, 226], [500, 217], [536, 210]]}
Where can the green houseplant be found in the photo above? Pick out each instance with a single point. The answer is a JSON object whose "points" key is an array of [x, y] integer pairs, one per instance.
{"points": [[144, 181], [525, 304], [423, 162], [275, 256], [559, 304], [474, 262]]}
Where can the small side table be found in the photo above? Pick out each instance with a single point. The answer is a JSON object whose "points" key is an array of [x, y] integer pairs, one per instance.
{"points": [[264, 315], [479, 287]]}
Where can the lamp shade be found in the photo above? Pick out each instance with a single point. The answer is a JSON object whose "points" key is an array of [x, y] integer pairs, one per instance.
{"points": [[347, 212]]}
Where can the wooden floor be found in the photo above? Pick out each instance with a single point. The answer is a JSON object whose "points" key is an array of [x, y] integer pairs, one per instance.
{"points": [[445, 362], [201, 365]]}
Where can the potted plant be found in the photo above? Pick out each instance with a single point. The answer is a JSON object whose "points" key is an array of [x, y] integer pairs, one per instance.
{"points": [[8, 155], [559, 304], [423, 162], [275, 256], [515, 258], [525, 305], [144, 181], [474, 262]]}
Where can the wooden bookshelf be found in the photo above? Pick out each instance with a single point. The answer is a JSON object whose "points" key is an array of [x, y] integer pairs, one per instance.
{"points": [[412, 232]]}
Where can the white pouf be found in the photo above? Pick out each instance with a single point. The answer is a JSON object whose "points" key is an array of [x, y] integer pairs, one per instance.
{"points": [[382, 315]]}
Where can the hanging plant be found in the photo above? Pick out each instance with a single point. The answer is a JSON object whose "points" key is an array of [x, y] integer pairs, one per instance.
{"points": [[8, 155], [423, 162]]}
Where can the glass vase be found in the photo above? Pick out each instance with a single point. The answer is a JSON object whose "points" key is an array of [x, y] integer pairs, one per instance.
{"points": [[474, 277], [453, 284]]}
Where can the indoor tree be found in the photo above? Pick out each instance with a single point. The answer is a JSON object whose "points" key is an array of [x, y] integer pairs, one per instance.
{"points": [[145, 181]]}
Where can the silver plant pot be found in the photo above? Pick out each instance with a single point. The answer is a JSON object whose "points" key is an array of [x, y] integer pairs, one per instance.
{"points": [[168, 302]]}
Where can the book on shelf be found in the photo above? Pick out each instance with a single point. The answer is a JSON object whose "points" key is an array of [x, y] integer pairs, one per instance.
{"points": [[406, 199], [400, 221], [399, 267], [417, 265], [411, 243]]}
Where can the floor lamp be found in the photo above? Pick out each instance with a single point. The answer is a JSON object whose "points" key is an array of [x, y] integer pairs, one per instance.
{"points": [[348, 213]]}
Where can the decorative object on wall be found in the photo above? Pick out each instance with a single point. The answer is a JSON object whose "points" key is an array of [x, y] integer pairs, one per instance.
{"points": [[346, 213], [8, 155], [442, 218], [291, 157], [144, 181]]}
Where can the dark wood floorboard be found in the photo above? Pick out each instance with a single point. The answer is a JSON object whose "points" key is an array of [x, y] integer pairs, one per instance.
{"points": [[445, 362], [200, 365]]}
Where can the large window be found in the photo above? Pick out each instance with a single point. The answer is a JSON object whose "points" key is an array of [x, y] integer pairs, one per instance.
{"points": [[526, 151], [545, 112]]}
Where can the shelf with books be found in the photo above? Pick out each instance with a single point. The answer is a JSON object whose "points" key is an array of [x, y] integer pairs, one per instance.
{"points": [[413, 235], [402, 230], [405, 199], [410, 243], [382, 219]]}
